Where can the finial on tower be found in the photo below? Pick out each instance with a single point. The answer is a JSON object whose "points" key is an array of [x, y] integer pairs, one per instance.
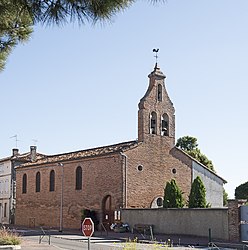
{"points": [[156, 56]]}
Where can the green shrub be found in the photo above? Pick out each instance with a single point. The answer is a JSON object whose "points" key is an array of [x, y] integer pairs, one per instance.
{"points": [[9, 238], [173, 196], [197, 196]]}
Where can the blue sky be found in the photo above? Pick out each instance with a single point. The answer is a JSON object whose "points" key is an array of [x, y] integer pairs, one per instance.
{"points": [[74, 87]]}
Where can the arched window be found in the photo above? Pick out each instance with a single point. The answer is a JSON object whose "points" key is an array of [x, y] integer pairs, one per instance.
{"points": [[78, 178], [24, 184], [165, 125], [37, 182], [159, 92], [153, 123], [52, 181]]}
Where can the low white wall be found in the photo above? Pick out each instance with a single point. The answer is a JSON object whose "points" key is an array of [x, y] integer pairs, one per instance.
{"points": [[185, 221]]}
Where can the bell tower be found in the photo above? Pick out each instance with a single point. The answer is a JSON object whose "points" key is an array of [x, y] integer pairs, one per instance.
{"points": [[156, 115]]}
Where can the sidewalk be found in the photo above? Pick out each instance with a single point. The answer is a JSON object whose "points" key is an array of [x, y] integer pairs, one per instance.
{"points": [[31, 245]]}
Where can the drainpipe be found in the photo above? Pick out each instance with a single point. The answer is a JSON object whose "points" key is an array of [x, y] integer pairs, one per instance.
{"points": [[125, 180], [61, 198]]}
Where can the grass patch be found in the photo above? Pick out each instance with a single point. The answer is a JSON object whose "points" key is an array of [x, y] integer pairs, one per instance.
{"points": [[9, 238], [134, 245]]}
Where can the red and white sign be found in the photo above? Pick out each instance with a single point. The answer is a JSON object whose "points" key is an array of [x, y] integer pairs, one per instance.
{"points": [[87, 227]]}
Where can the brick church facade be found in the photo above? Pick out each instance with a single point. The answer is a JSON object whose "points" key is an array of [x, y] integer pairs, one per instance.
{"points": [[53, 190]]}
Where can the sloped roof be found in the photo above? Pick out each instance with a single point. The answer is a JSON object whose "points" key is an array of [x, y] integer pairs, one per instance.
{"points": [[21, 157], [193, 159], [99, 151], [6, 159], [26, 157]]}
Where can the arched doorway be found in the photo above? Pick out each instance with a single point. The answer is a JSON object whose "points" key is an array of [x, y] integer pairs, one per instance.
{"points": [[107, 212]]}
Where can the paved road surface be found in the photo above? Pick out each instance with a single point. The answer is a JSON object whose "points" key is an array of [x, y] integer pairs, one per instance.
{"points": [[112, 241], [74, 242]]}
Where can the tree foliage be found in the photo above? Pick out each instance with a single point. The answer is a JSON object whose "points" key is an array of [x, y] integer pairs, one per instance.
{"points": [[225, 197], [190, 146], [15, 26], [173, 196], [241, 191], [197, 197], [187, 143], [59, 12]]}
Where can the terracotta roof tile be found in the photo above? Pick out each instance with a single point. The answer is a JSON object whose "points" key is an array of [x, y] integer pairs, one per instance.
{"points": [[21, 157], [120, 147]]}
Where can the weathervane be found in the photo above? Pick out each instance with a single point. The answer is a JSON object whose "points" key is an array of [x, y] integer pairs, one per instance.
{"points": [[156, 55]]}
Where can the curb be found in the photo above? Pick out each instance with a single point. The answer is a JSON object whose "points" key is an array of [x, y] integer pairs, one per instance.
{"points": [[10, 247]]}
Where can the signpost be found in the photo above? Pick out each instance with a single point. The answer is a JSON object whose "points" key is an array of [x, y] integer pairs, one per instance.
{"points": [[88, 229]]}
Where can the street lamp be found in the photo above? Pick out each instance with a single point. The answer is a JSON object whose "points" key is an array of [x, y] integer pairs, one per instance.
{"points": [[61, 198]]}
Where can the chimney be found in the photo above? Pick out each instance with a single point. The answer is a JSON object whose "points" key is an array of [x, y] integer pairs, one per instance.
{"points": [[15, 151], [33, 153]]}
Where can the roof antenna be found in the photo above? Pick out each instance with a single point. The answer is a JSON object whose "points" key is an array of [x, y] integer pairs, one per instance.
{"points": [[16, 140], [156, 56], [35, 142]]}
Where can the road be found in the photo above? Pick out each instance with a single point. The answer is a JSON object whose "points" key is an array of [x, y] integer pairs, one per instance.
{"points": [[31, 243], [76, 243]]}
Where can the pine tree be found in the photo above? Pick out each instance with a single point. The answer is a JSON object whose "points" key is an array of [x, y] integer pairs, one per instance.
{"points": [[197, 197], [17, 17], [172, 195], [15, 27]]}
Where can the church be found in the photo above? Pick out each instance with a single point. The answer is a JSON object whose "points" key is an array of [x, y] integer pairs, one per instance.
{"points": [[53, 190]]}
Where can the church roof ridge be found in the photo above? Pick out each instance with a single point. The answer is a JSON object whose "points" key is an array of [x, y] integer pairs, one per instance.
{"points": [[91, 152]]}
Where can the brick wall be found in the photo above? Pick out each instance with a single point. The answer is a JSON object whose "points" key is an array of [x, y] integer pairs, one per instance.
{"points": [[157, 162], [234, 220], [101, 176], [150, 103]]}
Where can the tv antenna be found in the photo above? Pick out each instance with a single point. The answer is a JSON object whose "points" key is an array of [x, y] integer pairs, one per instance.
{"points": [[35, 142], [16, 140]]}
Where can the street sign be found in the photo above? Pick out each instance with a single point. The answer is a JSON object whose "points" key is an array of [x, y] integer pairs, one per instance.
{"points": [[88, 227]]}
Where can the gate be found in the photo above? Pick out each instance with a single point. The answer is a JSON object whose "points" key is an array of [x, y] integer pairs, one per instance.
{"points": [[244, 223]]}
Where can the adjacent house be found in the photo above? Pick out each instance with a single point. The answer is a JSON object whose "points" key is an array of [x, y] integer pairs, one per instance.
{"points": [[8, 182], [53, 190]]}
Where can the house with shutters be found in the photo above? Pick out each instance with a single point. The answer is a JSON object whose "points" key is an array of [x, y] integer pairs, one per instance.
{"points": [[53, 190]]}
